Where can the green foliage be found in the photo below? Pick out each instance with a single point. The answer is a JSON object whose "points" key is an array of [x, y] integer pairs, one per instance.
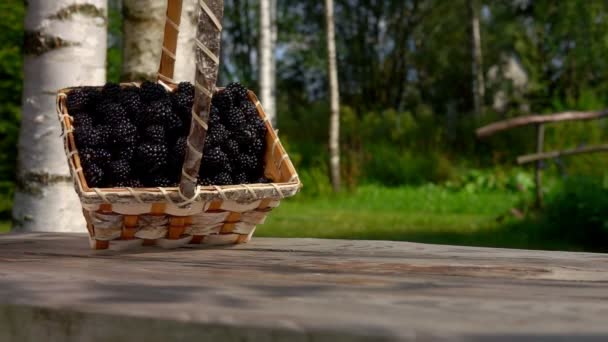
{"points": [[114, 63], [499, 179], [577, 211], [11, 77]]}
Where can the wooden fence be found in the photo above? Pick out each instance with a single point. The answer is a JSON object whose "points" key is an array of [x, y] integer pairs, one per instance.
{"points": [[539, 121]]}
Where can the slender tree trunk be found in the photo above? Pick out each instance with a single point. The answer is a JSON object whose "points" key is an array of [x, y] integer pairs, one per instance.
{"points": [[185, 62], [266, 59], [334, 94], [478, 85], [65, 45], [273, 61], [143, 29]]}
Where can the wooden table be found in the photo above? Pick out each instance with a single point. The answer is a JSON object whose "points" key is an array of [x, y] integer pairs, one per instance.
{"points": [[53, 288]]}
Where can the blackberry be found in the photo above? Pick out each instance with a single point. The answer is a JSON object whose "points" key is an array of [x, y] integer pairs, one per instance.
{"points": [[245, 137], [87, 136], [235, 119], [178, 152], [222, 178], [173, 124], [214, 158], [94, 175], [120, 171], [115, 114], [158, 112], [241, 178], [124, 152], [249, 110], [205, 181], [133, 183], [225, 167], [98, 156], [185, 88], [82, 119], [231, 147], [238, 92], [131, 101], [151, 157], [105, 134], [246, 163], [101, 110], [110, 91], [259, 126], [77, 100], [141, 119], [155, 180], [163, 181], [124, 134], [152, 91], [183, 97], [222, 100], [216, 135], [257, 146], [155, 133], [93, 97], [214, 117]]}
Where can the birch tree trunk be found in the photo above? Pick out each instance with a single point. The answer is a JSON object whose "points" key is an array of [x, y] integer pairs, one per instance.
{"points": [[334, 94], [273, 61], [185, 62], [266, 60], [65, 45], [143, 30], [478, 85]]}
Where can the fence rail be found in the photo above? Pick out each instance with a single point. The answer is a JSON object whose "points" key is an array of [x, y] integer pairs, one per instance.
{"points": [[499, 126], [539, 121]]}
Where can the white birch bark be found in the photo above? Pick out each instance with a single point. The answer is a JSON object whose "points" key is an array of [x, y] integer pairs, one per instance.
{"points": [[266, 59], [478, 84], [65, 45], [143, 30], [273, 61], [334, 94], [185, 60]]}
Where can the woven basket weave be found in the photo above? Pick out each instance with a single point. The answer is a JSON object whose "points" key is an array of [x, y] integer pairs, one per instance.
{"points": [[119, 218]]}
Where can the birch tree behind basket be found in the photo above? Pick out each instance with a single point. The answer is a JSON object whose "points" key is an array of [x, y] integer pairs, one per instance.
{"points": [[65, 45], [143, 23], [143, 29]]}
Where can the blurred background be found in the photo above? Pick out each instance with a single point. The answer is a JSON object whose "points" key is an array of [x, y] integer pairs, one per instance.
{"points": [[416, 79]]}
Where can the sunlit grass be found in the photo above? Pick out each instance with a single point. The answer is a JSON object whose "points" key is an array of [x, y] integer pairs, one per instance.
{"points": [[5, 226], [427, 214], [422, 214]]}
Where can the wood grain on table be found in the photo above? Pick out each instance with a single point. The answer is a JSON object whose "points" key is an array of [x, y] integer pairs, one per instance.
{"points": [[53, 287]]}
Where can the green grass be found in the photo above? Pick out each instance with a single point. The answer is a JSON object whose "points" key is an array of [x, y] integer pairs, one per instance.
{"points": [[5, 226], [428, 214]]}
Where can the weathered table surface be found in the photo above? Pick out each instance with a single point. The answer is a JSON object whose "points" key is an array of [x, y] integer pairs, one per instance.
{"points": [[52, 287]]}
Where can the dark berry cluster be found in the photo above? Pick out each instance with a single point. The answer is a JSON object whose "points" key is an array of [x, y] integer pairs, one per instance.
{"points": [[235, 143], [130, 136], [136, 136]]}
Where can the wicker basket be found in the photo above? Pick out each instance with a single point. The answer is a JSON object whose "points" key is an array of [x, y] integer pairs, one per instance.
{"points": [[120, 218]]}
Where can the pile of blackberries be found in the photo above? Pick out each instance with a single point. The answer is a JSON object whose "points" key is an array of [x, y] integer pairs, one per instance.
{"points": [[236, 140], [136, 136]]}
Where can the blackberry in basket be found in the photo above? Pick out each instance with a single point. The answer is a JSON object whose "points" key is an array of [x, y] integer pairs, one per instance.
{"points": [[133, 133]]}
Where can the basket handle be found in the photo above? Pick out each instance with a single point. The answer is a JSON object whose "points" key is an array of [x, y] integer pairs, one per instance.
{"points": [[207, 52], [169, 49]]}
